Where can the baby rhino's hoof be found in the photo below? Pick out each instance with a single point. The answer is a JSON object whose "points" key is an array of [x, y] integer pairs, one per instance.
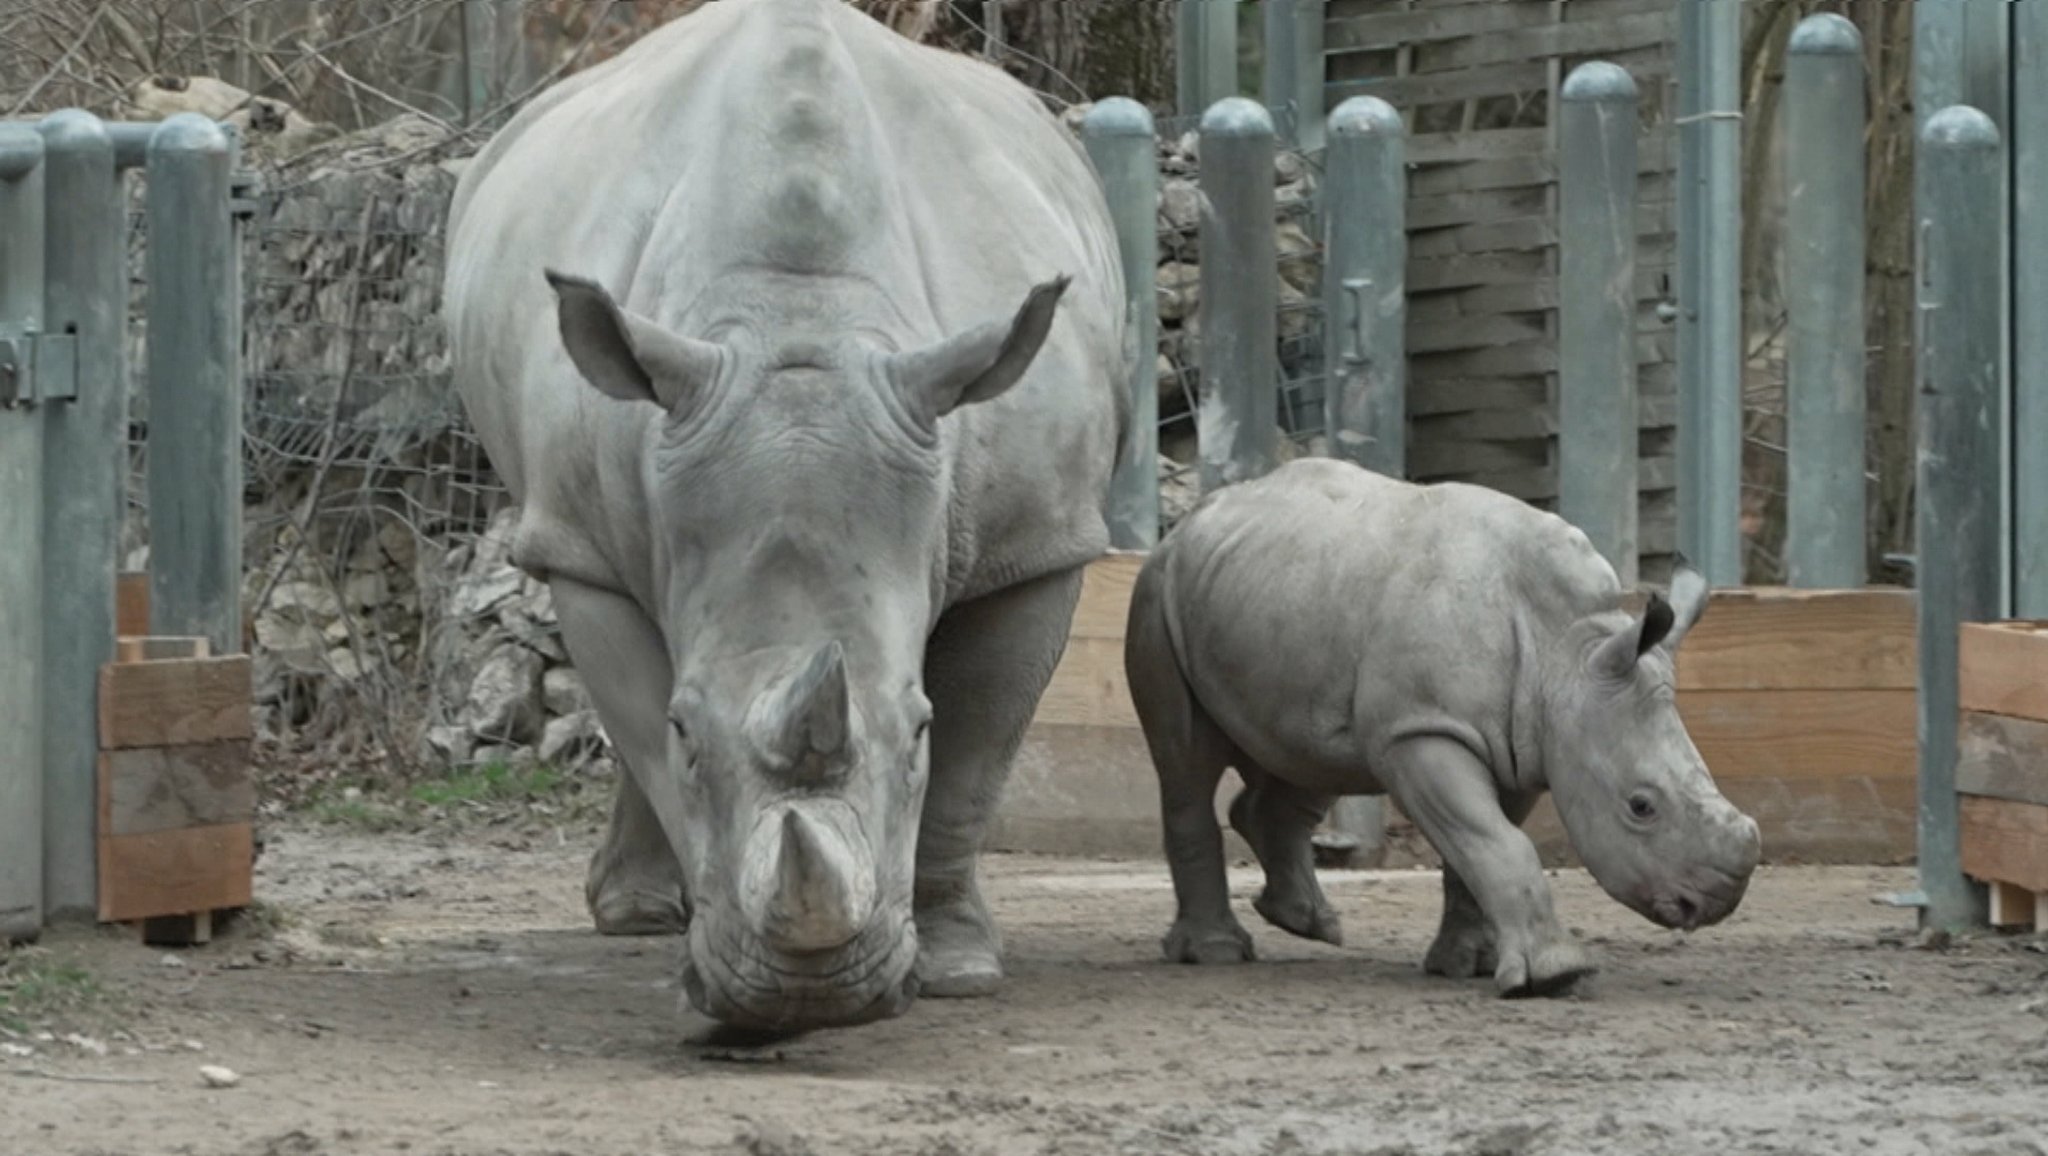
{"points": [[1301, 917], [1550, 970], [1194, 943]]}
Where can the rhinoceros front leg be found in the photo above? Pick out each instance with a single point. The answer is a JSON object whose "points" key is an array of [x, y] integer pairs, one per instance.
{"points": [[1451, 796], [986, 665], [1464, 944], [635, 884]]}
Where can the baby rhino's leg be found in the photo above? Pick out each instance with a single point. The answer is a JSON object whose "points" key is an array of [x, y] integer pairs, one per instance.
{"points": [[1465, 944], [1279, 819]]}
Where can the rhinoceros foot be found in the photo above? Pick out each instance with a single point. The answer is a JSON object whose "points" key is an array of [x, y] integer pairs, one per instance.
{"points": [[1299, 915], [958, 956], [1462, 951], [1550, 969], [627, 898], [1189, 941]]}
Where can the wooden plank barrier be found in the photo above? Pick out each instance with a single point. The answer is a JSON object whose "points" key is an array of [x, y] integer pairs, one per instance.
{"points": [[2002, 767], [1802, 702], [177, 802]]}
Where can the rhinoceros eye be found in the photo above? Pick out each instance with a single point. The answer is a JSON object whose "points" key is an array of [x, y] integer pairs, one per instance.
{"points": [[1642, 808]]}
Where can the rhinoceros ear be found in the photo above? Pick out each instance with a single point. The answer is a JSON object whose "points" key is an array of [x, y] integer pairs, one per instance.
{"points": [[1617, 656], [629, 357], [980, 364], [1688, 600]]}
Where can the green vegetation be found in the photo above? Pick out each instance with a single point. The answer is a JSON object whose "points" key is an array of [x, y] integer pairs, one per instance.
{"points": [[490, 791], [34, 984], [490, 783]]}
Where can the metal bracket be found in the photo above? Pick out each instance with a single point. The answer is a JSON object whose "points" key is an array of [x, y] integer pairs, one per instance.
{"points": [[1355, 289], [243, 187], [38, 367]]}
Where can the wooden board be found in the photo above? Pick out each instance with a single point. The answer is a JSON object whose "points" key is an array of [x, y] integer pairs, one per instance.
{"points": [[1804, 734], [2005, 668], [1868, 820], [177, 872], [131, 602], [166, 788], [1779, 639], [159, 648], [2003, 758], [2004, 841], [1088, 688], [1106, 595], [158, 704]]}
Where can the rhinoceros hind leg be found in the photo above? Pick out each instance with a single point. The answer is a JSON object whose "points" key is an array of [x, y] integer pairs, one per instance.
{"points": [[635, 884], [1450, 795], [985, 667], [1278, 820], [1189, 754]]}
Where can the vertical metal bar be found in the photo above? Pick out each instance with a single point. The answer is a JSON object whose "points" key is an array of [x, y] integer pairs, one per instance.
{"points": [[86, 458], [195, 411], [1596, 343], [2029, 444], [1310, 75], [1278, 75], [1206, 64], [1824, 241], [995, 38], [1987, 87], [1957, 487], [1365, 311], [1238, 421], [1710, 289], [1365, 289], [1120, 138], [21, 531]]}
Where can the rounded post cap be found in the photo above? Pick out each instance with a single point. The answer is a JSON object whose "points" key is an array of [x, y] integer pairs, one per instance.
{"points": [[74, 130], [1365, 116], [1960, 127], [1237, 116], [1826, 34], [1598, 82], [1118, 116], [21, 150], [188, 132]]}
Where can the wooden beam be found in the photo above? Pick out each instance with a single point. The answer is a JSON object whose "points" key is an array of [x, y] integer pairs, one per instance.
{"points": [[2005, 668], [160, 704], [166, 788], [2005, 842], [1804, 734], [131, 602], [160, 648], [1770, 638], [180, 872], [2001, 757]]}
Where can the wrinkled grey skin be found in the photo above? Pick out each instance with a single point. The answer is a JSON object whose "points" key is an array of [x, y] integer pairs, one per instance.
{"points": [[797, 344], [1331, 631]]}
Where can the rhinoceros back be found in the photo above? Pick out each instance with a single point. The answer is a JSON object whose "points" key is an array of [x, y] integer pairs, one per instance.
{"points": [[762, 145]]}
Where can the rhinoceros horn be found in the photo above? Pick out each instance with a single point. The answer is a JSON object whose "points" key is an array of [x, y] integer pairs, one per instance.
{"points": [[808, 719], [808, 887]]}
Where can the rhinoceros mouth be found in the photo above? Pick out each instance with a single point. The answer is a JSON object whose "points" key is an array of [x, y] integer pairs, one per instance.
{"points": [[731, 976]]}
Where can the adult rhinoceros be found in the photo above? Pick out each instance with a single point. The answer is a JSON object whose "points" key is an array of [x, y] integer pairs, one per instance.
{"points": [[759, 321]]}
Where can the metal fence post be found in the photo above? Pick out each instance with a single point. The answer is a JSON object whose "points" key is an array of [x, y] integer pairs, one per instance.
{"points": [[1957, 499], [21, 518], [83, 472], [2030, 312], [1365, 317], [1709, 288], [1120, 138], [1292, 79], [1238, 421], [1206, 59], [1365, 289], [1596, 346], [1824, 121], [195, 389]]}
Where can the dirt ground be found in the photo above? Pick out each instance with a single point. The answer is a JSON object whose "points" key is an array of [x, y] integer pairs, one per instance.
{"points": [[441, 995]]}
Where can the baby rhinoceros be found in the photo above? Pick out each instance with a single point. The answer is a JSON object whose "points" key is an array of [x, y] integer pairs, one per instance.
{"points": [[1330, 631]]}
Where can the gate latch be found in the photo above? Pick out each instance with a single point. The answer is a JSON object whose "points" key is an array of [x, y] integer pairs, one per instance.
{"points": [[38, 367]]}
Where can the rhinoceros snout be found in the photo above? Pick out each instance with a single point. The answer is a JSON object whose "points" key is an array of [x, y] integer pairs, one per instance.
{"points": [[809, 880]]}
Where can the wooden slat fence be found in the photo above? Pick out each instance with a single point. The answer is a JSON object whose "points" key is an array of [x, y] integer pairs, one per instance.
{"points": [[1477, 82]]}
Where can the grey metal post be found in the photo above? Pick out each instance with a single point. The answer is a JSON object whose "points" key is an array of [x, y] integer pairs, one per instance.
{"points": [[83, 471], [1957, 487], [1596, 345], [1121, 141], [1710, 289], [21, 535], [1365, 290], [1824, 122], [195, 389], [1206, 60], [1365, 285], [2030, 313], [1292, 80], [994, 38], [1238, 422]]}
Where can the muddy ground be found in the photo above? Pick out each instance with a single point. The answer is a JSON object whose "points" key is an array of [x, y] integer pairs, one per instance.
{"points": [[441, 995]]}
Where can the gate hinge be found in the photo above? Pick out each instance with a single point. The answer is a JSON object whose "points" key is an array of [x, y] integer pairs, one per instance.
{"points": [[38, 367], [243, 187]]}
